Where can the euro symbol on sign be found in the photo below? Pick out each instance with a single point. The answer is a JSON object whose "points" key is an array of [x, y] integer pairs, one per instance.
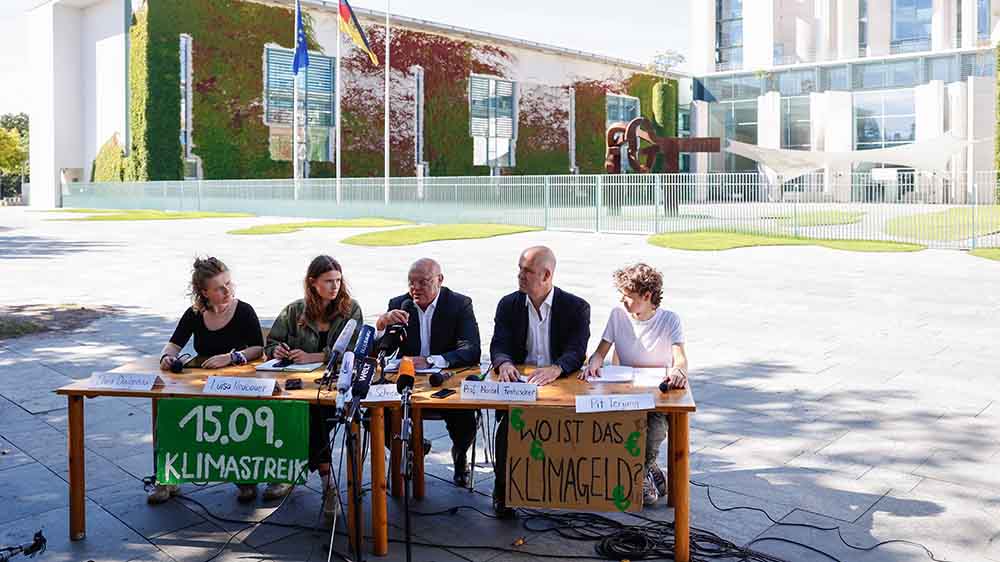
{"points": [[631, 446], [621, 502], [537, 452], [515, 419]]}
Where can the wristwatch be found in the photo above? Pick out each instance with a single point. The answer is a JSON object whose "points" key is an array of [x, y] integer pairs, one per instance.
{"points": [[437, 361]]}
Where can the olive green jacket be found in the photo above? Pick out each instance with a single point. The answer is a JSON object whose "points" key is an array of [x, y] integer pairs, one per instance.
{"points": [[286, 329]]}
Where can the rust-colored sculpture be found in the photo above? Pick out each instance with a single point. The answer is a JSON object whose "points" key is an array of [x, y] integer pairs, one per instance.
{"points": [[642, 159]]}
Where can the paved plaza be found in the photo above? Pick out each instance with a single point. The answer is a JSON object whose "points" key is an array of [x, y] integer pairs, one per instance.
{"points": [[839, 389]]}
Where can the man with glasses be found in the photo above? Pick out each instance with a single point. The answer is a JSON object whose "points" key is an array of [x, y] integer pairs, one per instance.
{"points": [[441, 333]]}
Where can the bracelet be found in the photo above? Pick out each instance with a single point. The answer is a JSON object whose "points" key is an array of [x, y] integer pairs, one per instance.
{"points": [[238, 358]]}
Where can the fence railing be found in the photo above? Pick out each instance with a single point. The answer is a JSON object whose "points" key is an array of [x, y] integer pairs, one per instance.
{"points": [[938, 210]]}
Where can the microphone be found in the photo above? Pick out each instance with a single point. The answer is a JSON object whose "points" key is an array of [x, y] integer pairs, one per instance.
{"points": [[664, 386], [339, 347], [366, 339], [344, 380], [437, 379], [359, 390], [405, 378], [481, 376]]}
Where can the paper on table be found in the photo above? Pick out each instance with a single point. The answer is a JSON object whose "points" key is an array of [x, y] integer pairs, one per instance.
{"points": [[393, 366], [301, 368], [648, 377], [615, 373]]}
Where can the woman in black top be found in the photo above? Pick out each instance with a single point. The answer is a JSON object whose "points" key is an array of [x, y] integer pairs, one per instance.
{"points": [[226, 332]]}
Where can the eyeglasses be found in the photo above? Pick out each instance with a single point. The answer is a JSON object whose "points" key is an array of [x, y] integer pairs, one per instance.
{"points": [[424, 283]]}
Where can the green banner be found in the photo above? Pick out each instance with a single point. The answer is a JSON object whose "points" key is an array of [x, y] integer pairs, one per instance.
{"points": [[230, 440]]}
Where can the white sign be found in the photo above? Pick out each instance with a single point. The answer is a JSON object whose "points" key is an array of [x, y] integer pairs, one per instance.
{"points": [[382, 393], [122, 381], [613, 403], [499, 391], [239, 386]]}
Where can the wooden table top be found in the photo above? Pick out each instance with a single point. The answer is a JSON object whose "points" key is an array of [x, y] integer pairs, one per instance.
{"points": [[561, 393]]}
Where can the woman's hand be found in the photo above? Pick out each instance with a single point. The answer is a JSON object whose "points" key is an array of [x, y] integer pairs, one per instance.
{"points": [[280, 352], [217, 361], [592, 370], [299, 357], [676, 379]]}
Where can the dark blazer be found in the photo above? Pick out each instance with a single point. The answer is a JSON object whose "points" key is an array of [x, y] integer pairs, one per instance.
{"points": [[569, 330], [454, 331]]}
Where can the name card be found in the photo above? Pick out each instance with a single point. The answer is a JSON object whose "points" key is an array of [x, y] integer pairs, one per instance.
{"points": [[121, 381], [382, 393], [239, 386], [499, 391], [614, 403]]}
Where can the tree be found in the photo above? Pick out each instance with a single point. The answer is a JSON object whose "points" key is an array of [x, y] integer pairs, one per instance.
{"points": [[12, 153], [664, 61], [11, 179]]}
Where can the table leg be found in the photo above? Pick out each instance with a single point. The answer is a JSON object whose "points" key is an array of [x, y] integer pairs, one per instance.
{"points": [[77, 471], [353, 479], [380, 518], [395, 452], [155, 404], [681, 491], [671, 446], [418, 454]]}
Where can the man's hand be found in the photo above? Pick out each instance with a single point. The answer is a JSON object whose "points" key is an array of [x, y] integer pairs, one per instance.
{"points": [[420, 363], [507, 372], [545, 375], [217, 361], [392, 317], [166, 361], [592, 370], [676, 379]]}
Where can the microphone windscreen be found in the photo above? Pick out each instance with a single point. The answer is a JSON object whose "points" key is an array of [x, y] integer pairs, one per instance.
{"points": [[366, 340], [664, 386], [437, 379], [344, 339]]}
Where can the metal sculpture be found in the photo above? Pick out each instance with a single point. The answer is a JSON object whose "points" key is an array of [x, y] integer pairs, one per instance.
{"points": [[641, 159]]}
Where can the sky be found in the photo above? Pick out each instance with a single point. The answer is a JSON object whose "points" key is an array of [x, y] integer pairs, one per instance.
{"points": [[645, 28]]}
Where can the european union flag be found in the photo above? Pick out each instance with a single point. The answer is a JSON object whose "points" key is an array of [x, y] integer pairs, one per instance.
{"points": [[301, 48]]}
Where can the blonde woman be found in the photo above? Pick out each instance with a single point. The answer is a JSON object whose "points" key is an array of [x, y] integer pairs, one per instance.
{"points": [[644, 335], [226, 332]]}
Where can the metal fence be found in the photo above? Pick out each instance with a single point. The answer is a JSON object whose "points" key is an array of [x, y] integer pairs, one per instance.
{"points": [[938, 210]]}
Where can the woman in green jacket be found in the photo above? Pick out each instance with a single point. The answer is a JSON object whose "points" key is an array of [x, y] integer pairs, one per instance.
{"points": [[304, 332]]}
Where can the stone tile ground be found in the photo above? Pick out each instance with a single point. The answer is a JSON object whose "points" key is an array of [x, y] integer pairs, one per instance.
{"points": [[857, 391]]}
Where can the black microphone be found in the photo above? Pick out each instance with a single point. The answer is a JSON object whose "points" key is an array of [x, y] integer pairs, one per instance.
{"points": [[339, 347], [366, 339], [437, 379], [363, 381], [664, 386], [405, 378]]}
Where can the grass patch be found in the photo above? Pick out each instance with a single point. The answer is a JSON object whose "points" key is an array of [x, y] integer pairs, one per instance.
{"points": [[434, 233], [951, 224], [289, 227], [821, 218], [988, 253], [14, 327], [143, 215], [709, 240]]}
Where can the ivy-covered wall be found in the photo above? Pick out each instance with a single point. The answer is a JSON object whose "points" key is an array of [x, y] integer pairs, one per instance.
{"points": [[230, 137]]}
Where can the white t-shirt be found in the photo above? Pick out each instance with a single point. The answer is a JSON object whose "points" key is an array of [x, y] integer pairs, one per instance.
{"points": [[644, 343]]}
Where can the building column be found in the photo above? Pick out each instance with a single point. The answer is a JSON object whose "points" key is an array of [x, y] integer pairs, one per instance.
{"points": [[825, 22], [982, 126], [56, 112], [942, 25], [958, 121], [702, 18], [769, 135], [758, 34], [970, 23], [929, 103], [700, 160], [838, 115], [847, 29], [879, 27]]}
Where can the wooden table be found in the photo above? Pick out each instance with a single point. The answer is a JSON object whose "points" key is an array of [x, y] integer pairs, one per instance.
{"points": [[185, 385], [677, 404]]}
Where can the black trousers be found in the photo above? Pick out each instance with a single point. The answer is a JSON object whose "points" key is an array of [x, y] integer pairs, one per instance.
{"points": [[319, 435], [461, 426], [500, 459]]}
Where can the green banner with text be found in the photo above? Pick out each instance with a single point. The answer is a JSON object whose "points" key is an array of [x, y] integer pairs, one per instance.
{"points": [[231, 440]]}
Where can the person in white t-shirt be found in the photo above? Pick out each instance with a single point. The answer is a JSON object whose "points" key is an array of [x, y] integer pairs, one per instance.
{"points": [[644, 335]]}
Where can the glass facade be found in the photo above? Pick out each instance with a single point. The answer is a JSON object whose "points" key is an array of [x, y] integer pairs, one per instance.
{"points": [[728, 34], [621, 109], [862, 27], [911, 25], [884, 119], [795, 123], [735, 120], [983, 18]]}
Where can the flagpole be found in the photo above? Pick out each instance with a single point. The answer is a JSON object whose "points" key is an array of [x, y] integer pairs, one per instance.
{"points": [[337, 104], [388, 69], [296, 114]]}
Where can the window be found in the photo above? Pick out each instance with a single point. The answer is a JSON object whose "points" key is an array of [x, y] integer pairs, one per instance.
{"points": [[185, 84], [317, 97], [890, 74], [621, 109], [983, 18], [911, 25], [728, 34], [797, 82], [863, 27], [884, 119], [737, 121], [795, 124], [493, 121], [834, 78]]}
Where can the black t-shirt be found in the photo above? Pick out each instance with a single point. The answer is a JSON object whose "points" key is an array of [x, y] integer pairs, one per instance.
{"points": [[242, 331]]}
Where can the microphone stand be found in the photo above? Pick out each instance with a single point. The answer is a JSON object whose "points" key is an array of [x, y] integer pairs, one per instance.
{"points": [[348, 419], [405, 434]]}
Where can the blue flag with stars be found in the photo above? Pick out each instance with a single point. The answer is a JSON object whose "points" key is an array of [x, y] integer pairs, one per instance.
{"points": [[301, 48]]}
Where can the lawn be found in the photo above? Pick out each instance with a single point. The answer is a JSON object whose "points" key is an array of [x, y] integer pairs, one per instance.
{"points": [[821, 218], [717, 240], [289, 227], [434, 233], [951, 224], [142, 215], [988, 253]]}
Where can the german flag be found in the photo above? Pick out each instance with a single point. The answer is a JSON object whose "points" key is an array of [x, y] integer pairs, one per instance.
{"points": [[349, 25]]}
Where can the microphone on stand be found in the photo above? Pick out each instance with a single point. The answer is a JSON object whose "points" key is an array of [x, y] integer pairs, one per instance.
{"points": [[359, 390], [344, 381], [437, 379], [481, 376], [405, 378], [664, 386], [366, 339], [339, 347]]}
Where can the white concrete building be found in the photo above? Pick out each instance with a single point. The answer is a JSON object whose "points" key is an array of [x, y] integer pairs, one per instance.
{"points": [[842, 75]]}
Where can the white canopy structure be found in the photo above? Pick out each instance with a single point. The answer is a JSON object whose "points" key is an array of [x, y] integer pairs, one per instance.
{"points": [[931, 155]]}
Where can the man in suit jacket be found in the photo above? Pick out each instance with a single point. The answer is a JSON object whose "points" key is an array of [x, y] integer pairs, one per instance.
{"points": [[441, 332], [541, 325]]}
